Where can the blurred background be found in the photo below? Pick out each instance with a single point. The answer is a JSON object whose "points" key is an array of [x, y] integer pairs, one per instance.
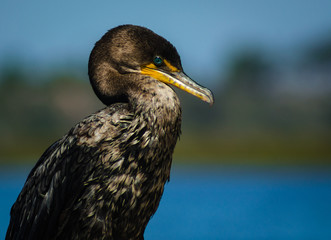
{"points": [[256, 165]]}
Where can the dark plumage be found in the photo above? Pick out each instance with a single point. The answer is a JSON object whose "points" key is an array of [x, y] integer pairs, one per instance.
{"points": [[105, 178]]}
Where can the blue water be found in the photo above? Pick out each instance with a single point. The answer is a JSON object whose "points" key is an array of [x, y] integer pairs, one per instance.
{"points": [[225, 203]]}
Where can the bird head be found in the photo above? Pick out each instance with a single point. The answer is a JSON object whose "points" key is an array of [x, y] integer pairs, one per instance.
{"points": [[130, 53]]}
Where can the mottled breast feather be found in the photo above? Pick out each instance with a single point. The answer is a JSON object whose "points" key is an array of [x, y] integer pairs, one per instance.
{"points": [[103, 175]]}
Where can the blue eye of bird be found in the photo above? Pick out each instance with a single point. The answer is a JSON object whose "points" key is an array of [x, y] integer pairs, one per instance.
{"points": [[158, 61]]}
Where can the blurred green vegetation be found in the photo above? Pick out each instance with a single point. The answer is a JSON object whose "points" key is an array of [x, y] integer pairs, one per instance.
{"points": [[266, 111]]}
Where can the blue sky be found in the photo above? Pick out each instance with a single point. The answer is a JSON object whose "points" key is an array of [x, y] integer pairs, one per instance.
{"points": [[204, 32]]}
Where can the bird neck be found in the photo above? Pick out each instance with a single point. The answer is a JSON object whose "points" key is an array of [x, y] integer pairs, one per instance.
{"points": [[157, 108], [157, 103]]}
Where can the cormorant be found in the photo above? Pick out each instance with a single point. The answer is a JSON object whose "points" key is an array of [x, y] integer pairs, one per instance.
{"points": [[105, 178]]}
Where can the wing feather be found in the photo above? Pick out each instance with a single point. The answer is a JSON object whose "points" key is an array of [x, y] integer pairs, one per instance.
{"points": [[57, 180]]}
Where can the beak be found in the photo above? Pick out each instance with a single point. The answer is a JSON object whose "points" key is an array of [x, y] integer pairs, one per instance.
{"points": [[182, 81]]}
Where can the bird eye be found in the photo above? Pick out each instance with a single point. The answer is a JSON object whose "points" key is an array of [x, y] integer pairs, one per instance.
{"points": [[158, 61]]}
